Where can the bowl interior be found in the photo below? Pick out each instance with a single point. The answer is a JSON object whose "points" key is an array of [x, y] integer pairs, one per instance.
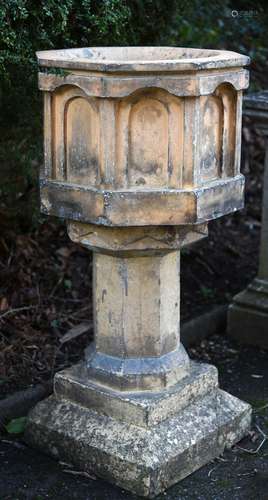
{"points": [[138, 54]]}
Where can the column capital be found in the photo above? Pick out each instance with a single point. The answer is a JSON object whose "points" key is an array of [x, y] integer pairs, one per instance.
{"points": [[135, 241]]}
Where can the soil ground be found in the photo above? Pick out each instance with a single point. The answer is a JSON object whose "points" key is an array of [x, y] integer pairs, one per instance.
{"points": [[242, 475]]}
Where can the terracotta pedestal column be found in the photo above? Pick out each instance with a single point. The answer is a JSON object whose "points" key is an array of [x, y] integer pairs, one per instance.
{"points": [[142, 149], [248, 314]]}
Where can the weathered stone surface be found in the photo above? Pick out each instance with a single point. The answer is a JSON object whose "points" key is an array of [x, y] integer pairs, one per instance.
{"points": [[142, 149], [145, 461], [140, 240], [99, 85], [143, 208], [139, 373], [142, 142], [143, 408], [139, 59], [137, 322], [248, 314]]}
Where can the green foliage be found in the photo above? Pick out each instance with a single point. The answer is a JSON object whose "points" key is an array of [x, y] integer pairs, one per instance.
{"points": [[27, 26], [16, 426], [207, 293], [223, 25]]}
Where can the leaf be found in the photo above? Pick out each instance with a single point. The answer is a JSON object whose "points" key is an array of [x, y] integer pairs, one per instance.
{"points": [[207, 292], [68, 284], [16, 425], [64, 252], [3, 304], [55, 323], [76, 331]]}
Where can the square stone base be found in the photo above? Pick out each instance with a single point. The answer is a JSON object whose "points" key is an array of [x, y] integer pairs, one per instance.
{"points": [[144, 460], [248, 315], [143, 409]]}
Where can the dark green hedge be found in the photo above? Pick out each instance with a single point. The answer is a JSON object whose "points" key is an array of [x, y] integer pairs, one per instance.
{"points": [[30, 25]]}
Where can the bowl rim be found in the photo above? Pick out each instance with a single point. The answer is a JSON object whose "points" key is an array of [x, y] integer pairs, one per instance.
{"points": [[102, 59]]}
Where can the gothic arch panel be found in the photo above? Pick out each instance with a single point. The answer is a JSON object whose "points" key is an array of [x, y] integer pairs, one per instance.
{"points": [[75, 132], [148, 144], [150, 134], [211, 132], [81, 142]]}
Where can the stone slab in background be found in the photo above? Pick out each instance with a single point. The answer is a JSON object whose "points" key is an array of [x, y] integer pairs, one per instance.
{"points": [[248, 315]]}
